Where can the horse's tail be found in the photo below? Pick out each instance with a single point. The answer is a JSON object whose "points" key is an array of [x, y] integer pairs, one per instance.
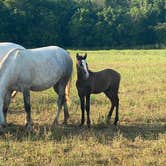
{"points": [[67, 91], [13, 94], [68, 86]]}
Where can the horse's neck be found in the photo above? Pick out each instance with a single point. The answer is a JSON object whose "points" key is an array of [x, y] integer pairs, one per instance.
{"points": [[4, 81], [6, 72]]}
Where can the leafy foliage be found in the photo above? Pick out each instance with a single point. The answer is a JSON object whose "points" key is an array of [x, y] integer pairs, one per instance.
{"points": [[83, 23]]}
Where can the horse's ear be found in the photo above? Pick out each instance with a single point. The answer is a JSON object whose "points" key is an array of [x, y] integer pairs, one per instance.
{"points": [[77, 55], [85, 55]]}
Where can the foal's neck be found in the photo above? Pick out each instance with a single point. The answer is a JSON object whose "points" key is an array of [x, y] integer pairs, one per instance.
{"points": [[80, 76]]}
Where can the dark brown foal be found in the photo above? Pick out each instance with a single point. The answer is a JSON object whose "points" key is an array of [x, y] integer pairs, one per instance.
{"points": [[88, 82]]}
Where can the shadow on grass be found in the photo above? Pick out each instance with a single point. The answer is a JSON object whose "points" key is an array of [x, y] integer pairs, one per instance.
{"points": [[100, 132]]}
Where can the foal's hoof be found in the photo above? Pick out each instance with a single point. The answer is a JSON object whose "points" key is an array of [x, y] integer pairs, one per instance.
{"points": [[66, 117], [81, 125], [116, 123], [29, 127], [88, 125]]}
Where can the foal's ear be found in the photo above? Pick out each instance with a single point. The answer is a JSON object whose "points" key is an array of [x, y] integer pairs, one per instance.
{"points": [[85, 55], [77, 56]]}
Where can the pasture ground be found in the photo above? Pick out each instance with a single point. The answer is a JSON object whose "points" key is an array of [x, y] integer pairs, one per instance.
{"points": [[139, 140]]}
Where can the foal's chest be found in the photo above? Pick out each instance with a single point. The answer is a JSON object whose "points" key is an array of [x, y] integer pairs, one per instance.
{"points": [[83, 87]]}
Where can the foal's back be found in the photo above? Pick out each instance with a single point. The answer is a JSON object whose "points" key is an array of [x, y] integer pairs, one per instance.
{"points": [[103, 80]]}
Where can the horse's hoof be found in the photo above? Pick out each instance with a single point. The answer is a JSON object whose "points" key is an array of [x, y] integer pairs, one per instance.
{"points": [[65, 122], [107, 121], [2, 127], [55, 123]]}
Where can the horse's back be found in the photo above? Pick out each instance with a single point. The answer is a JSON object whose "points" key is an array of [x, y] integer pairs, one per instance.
{"points": [[42, 67], [44, 50]]}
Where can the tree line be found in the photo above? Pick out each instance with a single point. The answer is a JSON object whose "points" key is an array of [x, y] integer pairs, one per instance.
{"points": [[84, 23]]}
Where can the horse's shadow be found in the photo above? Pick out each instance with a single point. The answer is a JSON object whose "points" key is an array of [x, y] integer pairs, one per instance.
{"points": [[98, 131]]}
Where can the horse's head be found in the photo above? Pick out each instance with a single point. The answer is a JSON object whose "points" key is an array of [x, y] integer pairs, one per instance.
{"points": [[82, 66]]}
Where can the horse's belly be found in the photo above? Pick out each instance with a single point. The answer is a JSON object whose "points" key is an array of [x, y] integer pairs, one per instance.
{"points": [[43, 84]]}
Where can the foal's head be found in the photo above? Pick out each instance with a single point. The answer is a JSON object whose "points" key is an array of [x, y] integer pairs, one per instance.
{"points": [[82, 66]]}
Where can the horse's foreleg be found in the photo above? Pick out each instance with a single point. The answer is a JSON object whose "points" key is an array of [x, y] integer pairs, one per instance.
{"points": [[2, 119], [27, 105], [88, 109], [6, 105], [82, 100]]}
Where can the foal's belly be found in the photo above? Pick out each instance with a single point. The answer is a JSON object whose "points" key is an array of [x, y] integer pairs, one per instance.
{"points": [[96, 91]]}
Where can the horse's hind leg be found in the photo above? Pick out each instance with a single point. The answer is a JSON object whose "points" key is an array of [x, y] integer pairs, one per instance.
{"points": [[66, 112], [27, 105], [60, 90]]}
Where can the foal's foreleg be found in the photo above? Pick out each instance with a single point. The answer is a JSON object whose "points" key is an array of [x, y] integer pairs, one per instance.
{"points": [[27, 105], [88, 109], [82, 100]]}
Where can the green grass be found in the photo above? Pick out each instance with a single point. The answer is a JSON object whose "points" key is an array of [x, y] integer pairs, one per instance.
{"points": [[139, 140]]}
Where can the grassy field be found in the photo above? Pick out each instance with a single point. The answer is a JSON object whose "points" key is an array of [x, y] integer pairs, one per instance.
{"points": [[139, 140]]}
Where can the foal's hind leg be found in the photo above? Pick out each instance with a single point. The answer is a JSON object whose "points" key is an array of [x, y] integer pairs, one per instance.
{"points": [[115, 103], [108, 94], [117, 110]]}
